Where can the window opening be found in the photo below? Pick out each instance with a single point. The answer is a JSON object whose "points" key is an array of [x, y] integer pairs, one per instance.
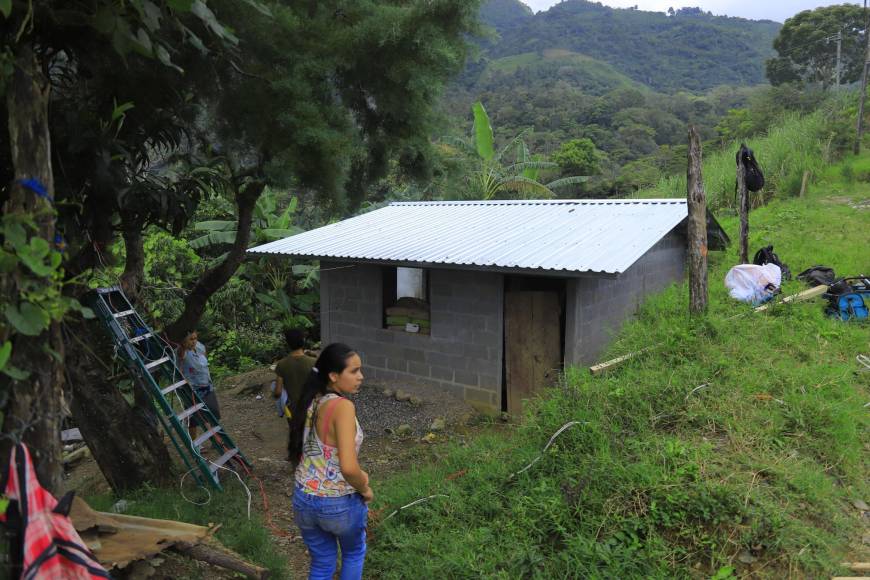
{"points": [[406, 300]]}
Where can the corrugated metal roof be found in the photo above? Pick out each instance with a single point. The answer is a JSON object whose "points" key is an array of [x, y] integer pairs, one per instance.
{"points": [[570, 236]]}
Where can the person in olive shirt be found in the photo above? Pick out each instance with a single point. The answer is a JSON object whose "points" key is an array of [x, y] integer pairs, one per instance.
{"points": [[292, 370]]}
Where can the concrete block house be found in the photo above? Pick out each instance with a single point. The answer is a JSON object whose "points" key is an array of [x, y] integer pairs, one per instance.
{"points": [[509, 292]]}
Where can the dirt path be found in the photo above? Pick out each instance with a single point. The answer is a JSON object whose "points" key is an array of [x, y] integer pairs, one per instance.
{"points": [[251, 420], [262, 435]]}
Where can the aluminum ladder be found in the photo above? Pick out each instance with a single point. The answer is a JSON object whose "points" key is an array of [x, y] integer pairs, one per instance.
{"points": [[152, 363]]}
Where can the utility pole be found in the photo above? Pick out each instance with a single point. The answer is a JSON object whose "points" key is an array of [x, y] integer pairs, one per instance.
{"points": [[860, 128], [839, 55]]}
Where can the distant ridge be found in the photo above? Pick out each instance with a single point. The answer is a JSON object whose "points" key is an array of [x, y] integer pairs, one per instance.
{"points": [[689, 50]]}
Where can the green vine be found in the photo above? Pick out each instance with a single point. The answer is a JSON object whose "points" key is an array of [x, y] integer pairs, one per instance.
{"points": [[34, 292]]}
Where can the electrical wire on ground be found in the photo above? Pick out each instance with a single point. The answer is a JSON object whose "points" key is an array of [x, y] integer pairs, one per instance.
{"points": [[415, 502], [561, 430], [564, 427]]}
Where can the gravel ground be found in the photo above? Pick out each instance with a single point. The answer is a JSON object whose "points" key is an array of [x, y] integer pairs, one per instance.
{"points": [[381, 415], [378, 414]]}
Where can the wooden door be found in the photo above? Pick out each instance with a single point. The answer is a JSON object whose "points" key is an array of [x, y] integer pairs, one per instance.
{"points": [[533, 344]]}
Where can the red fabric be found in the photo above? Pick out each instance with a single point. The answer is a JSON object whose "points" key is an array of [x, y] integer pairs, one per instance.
{"points": [[53, 550]]}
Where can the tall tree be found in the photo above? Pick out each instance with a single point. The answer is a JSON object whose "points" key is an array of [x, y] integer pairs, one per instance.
{"points": [[807, 46], [346, 87], [31, 392], [50, 52], [156, 102]]}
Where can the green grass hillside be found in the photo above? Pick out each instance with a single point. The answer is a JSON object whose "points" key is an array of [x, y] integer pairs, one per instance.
{"points": [[735, 448], [795, 144], [594, 76]]}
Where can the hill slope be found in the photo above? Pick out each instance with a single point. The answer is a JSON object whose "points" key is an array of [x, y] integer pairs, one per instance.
{"points": [[690, 50], [502, 14], [736, 447]]}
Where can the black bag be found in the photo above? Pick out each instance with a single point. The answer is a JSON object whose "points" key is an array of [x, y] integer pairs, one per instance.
{"points": [[818, 276], [767, 256], [754, 176]]}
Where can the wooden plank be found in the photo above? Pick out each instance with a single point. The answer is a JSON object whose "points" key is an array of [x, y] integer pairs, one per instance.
{"points": [[532, 344], [799, 297], [221, 557], [605, 366], [857, 566]]}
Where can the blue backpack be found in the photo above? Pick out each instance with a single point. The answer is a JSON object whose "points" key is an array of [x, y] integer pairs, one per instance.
{"points": [[849, 299]]}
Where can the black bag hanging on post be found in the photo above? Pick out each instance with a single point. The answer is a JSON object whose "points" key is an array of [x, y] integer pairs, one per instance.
{"points": [[754, 176]]}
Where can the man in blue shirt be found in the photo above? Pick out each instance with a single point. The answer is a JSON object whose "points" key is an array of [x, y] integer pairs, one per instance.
{"points": [[194, 367]]}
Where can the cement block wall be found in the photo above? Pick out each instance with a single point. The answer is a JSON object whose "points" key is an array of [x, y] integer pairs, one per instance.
{"points": [[597, 307], [463, 355]]}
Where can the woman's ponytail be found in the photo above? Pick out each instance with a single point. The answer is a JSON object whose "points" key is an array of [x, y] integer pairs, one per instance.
{"points": [[333, 359]]}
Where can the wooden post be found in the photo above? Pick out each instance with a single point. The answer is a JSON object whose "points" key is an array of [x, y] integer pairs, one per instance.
{"points": [[804, 182], [859, 132], [697, 231], [743, 210]]}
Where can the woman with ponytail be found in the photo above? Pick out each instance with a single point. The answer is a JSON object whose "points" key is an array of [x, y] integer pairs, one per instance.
{"points": [[332, 491]]}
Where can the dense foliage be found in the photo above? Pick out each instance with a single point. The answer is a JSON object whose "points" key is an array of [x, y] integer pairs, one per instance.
{"points": [[806, 46], [794, 143], [647, 47]]}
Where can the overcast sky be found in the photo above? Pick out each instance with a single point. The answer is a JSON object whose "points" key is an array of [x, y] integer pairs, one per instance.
{"points": [[777, 10]]}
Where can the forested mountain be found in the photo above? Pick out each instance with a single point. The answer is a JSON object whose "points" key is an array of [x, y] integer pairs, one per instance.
{"points": [[627, 80], [688, 49], [501, 14]]}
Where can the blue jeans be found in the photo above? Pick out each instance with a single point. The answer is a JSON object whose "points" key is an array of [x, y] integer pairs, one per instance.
{"points": [[326, 522]]}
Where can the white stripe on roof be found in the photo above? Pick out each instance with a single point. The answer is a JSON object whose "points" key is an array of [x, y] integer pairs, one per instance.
{"points": [[569, 236]]}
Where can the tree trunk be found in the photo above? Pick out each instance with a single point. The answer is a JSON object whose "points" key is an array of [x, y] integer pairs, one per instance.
{"points": [[134, 262], [213, 279], [127, 448], [743, 210], [697, 227], [33, 410]]}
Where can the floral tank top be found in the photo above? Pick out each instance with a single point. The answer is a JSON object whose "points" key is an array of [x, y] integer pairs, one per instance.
{"points": [[319, 472]]}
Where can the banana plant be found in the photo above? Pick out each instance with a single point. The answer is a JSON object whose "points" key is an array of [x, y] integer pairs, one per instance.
{"points": [[293, 311], [494, 177], [267, 225]]}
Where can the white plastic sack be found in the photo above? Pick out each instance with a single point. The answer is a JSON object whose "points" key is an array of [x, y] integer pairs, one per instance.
{"points": [[749, 283]]}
